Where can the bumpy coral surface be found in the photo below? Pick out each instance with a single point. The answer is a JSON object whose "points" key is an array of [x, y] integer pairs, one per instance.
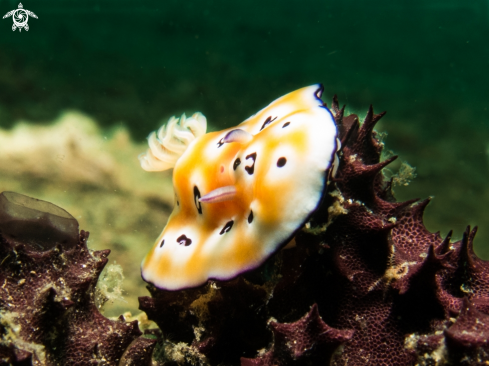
{"points": [[48, 314], [93, 174], [366, 284]]}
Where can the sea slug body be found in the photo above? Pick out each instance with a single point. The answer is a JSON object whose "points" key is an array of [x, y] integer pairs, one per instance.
{"points": [[241, 193]]}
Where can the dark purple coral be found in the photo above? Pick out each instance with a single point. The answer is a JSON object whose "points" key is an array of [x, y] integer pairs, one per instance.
{"points": [[48, 275], [366, 284], [308, 341], [377, 288]]}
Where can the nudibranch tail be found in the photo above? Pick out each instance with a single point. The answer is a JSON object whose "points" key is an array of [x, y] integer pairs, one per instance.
{"points": [[238, 135], [171, 140], [219, 195]]}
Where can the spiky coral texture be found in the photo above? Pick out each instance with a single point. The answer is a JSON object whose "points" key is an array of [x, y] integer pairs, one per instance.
{"points": [[366, 270], [367, 284], [48, 315]]}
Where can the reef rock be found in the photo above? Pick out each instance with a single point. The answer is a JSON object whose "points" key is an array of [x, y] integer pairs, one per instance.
{"points": [[366, 284], [48, 314], [308, 341]]}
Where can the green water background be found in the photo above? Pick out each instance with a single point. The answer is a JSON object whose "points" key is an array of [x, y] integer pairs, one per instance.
{"points": [[424, 61]]}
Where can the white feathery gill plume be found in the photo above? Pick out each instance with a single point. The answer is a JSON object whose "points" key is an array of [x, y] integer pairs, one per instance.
{"points": [[169, 143]]}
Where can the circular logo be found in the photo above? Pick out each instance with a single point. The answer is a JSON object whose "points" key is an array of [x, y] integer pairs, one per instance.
{"points": [[20, 18]]}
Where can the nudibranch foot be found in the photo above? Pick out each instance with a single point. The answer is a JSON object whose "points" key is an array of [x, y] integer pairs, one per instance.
{"points": [[263, 178]]}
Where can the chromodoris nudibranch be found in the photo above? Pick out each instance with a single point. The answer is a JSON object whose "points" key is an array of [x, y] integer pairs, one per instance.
{"points": [[241, 193]]}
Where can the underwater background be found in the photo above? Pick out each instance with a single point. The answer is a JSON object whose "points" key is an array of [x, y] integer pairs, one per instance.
{"points": [[81, 90]]}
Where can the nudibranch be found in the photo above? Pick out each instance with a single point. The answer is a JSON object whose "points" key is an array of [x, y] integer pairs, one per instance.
{"points": [[241, 193]]}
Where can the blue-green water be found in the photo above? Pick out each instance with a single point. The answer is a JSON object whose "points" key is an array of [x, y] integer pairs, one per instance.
{"points": [[425, 62]]}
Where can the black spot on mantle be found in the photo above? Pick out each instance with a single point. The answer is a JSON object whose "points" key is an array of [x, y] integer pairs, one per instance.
{"points": [[227, 227], [251, 169], [196, 200], [250, 217], [236, 163], [183, 240], [267, 122]]}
